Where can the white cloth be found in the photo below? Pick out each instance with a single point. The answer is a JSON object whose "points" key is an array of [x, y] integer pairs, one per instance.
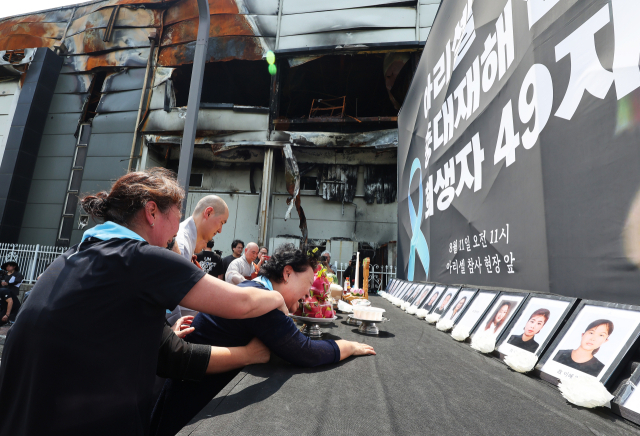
{"points": [[186, 240], [238, 270]]}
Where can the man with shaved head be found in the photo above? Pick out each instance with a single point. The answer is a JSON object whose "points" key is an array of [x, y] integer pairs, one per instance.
{"points": [[243, 268], [208, 217]]}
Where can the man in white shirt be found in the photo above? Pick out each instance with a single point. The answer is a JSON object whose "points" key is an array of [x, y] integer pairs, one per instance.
{"points": [[210, 214], [243, 268]]}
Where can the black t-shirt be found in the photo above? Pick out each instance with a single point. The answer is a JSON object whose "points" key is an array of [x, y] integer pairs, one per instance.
{"points": [[592, 366], [13, 280], [6, 293], [81, 358], [211, 263], [227, 261], [531, 345]]}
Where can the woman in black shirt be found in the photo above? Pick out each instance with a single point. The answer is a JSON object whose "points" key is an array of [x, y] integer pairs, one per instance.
{"points": [[582, 358], [526, 341], [440, 308], [82, 355]]}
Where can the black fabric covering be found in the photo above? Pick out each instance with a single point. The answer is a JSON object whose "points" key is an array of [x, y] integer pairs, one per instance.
{"points": [[421, 382], [181, 360]]}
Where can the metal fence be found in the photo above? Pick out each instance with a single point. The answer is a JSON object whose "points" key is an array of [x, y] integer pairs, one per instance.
{"points": [[32, 259], [379, 276]]}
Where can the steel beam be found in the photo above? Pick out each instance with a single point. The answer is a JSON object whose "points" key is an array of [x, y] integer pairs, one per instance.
{"points": [[193, 105]]}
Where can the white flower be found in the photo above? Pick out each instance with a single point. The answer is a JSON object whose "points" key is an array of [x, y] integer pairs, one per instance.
{"points": [[432, 318], [398, 302], [444, 325], [585, 391], [460, 333], [421, 313], [483, 342], [521, 360], [412, 310]]}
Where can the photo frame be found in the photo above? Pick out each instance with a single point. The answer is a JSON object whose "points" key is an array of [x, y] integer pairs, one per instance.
{"points": [[459, 304], [434, 295], [445, 299], [422, 294], [500, 314], [411, 293], [400, 291], [476, 310], [627, 401], [536, 324], [390, 286], [609, 330]]}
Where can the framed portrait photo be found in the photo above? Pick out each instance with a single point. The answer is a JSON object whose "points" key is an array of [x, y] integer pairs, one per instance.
{"points": [[422, 294], [397, 286], [594, 341], [390, 286], [430, 300], [503, 309], [412, 292], [627, 401], [445, 299], [459, 304], [474, 311], [401, 289], [536, 324]]}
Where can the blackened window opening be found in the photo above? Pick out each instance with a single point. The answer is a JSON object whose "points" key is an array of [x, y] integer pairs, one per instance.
{"points": [[94, 96], [242, 83], [360, 78]]}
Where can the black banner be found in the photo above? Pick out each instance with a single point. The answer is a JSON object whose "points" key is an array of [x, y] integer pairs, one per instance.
{"points": [[519, 149]]}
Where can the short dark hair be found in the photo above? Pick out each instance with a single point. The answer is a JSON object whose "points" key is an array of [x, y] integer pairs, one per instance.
{"points": [[235, 243], [286, 255], [597, 323], [264, 248], [210, 244]]}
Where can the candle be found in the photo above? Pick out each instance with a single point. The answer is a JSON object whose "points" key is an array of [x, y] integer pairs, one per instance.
{"points": [[357, 284]]}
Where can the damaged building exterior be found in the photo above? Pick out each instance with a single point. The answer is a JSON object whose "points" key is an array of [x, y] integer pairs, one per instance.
{"points": [[91, 91]]}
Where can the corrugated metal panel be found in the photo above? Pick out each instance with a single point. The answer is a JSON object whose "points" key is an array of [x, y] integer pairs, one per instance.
{"points": [[47, 192], [55, 16], [131, 78], [220, 49], [119, 101], [221, 25], [121, 58], [347, 38], [73, 83], [6, 101], [110, 144], [424, 33], [257, 136], [301, 24], [303, 6], [106, 168], [65, 103], [58, 145], [126, 18], [91, 40], [52, 168], [186, 10], [428, 14], [208, 120], [61, 124], [119, 122]]}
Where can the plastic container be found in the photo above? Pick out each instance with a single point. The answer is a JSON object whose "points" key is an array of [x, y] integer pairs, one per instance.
{"points": [[368, 313]]}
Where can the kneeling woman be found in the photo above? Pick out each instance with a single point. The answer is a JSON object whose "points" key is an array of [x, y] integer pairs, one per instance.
{"points": [[289, 272]]}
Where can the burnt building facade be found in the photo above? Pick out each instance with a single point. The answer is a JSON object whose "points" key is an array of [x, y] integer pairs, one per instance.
{"points": [[91, 91]]}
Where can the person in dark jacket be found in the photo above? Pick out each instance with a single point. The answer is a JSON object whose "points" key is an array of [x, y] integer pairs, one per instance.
{"points": [[289, 272], [10, 282]]}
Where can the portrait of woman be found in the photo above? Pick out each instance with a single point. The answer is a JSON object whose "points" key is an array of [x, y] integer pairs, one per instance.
{"points": [[432, 301], [445, 301], [526, 341], [499, 317], [583, 358], [458, 308]]}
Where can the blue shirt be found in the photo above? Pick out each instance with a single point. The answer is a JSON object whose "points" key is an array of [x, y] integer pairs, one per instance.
{"points": [[276, 330]]}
